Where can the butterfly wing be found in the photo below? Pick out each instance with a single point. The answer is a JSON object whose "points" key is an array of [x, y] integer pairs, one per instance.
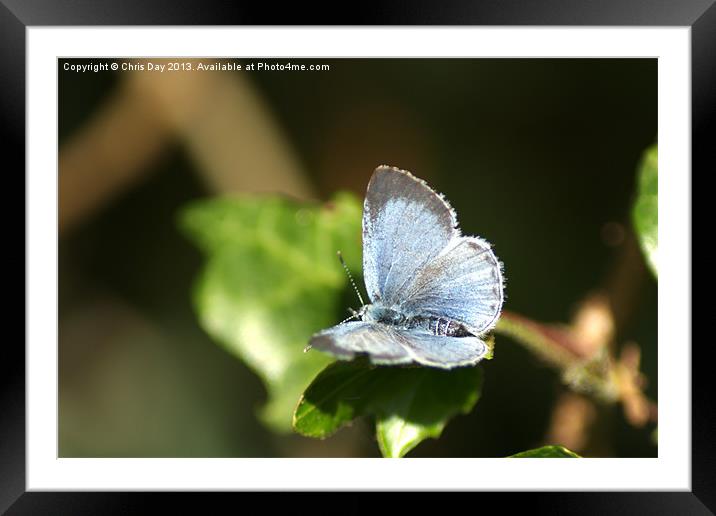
{"points": [[415, 258], [443, 352], [388, 345], [464, 283], [346, 340], [405, 226]]}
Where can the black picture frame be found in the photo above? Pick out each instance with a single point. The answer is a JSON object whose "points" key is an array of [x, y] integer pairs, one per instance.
{"points": [[17, 15]]}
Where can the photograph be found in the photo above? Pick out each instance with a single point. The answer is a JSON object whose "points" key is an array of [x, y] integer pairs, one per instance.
{"points": [[276, 257], [267, 250]]}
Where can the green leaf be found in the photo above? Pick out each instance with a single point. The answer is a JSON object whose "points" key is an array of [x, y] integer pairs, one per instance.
{"points": [[271, 279], [645, 213], [410, 404], [547, 452]]}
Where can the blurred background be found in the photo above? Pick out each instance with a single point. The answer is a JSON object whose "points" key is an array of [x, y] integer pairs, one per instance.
{"points": [[538, 156]]}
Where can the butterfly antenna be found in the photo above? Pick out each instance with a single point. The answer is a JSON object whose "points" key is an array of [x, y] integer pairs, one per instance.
{"points": [[354, 315], [350, 277]]}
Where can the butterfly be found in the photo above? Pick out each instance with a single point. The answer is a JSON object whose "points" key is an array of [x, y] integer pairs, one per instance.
{"points": [[434, 293]]}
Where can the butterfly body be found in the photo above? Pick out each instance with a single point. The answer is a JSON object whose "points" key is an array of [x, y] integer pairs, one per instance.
{"points": [[440, 326], [434, 292]]}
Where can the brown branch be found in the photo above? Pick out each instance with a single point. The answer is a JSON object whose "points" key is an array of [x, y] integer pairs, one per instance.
{"points": [[581, 352], [109, 154], [227, 128]]}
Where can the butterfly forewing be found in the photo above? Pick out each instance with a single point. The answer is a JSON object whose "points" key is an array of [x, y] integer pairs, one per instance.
{"points": [[391, 345], [405, 226], [441, 351], [346, 340]]}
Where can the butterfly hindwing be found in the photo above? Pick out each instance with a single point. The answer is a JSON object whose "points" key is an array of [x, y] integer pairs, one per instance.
{"points": [[463, 284]]}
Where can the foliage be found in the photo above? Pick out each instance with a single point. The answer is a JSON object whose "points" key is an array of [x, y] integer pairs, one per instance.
{"points": [[645, 213], [271, 279], [546, 452], [409, 404]]}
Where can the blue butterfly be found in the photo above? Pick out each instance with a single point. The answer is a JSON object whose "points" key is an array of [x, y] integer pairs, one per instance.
{"points": [[434, 293]]}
